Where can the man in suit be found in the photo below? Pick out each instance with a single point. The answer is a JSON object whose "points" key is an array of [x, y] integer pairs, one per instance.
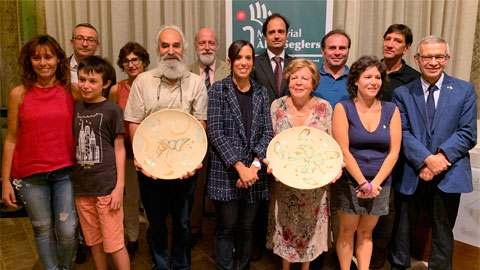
{"points": [[269, 65], [211, 69], [206, 47], [333, 72], [439, 128], [397, 41]]}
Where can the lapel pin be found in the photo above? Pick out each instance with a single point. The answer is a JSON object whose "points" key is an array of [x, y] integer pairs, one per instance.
{"points": [[450, 87]]}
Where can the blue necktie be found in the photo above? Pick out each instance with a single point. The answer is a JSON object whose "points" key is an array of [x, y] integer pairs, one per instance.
{"points": [[431, 104]]}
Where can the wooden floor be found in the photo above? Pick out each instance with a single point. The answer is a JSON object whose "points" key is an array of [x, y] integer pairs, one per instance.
{"points": [[17, 251]]}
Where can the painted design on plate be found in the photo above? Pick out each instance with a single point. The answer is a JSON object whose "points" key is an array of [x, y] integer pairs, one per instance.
{"points": [[304, 158], [169, 143]]}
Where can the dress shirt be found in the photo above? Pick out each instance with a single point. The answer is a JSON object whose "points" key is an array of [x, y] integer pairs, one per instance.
{"points": [[73, 70], [211, 72], [272, 62], [436, 94]]}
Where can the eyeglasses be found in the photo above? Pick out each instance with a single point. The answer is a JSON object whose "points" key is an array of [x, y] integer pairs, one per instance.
{"points": [[135, 61], [81, 39], [204, 43], [428, 58]]}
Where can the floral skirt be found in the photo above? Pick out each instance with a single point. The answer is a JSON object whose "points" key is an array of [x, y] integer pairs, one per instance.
{"points": [[297, 222]]}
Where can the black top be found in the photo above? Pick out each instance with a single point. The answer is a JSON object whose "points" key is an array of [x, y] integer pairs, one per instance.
{"points": [[246, 107], [398, 78], [96, 126]]}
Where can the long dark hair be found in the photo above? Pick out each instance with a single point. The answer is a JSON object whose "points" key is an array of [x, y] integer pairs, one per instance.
{"points": [[28, 76]]}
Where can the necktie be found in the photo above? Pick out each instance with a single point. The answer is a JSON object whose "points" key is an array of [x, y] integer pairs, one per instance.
{"points": [[277, 73], [431, 103], [207, 77]]}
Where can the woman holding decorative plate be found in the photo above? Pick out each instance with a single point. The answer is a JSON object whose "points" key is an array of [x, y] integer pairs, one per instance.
{"points": [[298, 218], [239, 128], [369, 132]]}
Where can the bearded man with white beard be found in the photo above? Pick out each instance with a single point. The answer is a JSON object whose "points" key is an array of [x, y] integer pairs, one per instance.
{"points": [[208, 63], [211, 69], [169, 86]]}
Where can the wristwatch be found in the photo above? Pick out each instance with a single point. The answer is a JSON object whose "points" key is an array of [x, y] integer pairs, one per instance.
{"points": [[257, 164]]}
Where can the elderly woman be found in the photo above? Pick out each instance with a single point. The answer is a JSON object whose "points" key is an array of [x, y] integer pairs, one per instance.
{"points": [[298, 219], [38, 153], [369, 133], [133, 59], [239, 129]]}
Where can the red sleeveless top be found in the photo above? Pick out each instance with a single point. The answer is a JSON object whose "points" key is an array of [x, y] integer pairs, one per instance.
{"points": [[122, 96], [45, 134]]}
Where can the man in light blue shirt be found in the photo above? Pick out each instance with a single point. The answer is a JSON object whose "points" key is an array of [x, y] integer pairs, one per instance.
{"points": [[333, 81]]}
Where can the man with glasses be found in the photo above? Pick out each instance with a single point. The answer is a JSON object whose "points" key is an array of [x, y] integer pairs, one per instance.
{"points": [[439, 128], [211, 69], [208, 63], [84, 43]]}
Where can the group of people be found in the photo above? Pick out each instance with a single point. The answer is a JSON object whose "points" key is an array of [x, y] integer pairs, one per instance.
{"points": [[409, 151]]}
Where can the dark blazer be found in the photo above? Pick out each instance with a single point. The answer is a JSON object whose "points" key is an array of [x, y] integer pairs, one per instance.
{"points": [[263, 74], [229, 143], [454, 131]]}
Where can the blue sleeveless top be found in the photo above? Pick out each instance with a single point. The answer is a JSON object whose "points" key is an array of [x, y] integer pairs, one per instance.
{"points": [[369, 148]]}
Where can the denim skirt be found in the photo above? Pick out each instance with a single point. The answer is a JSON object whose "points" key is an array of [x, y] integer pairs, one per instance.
{"points": [[344, 198]]}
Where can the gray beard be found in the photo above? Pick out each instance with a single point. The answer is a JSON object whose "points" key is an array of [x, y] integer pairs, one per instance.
{"points": [[170, 69], [206, 60]]}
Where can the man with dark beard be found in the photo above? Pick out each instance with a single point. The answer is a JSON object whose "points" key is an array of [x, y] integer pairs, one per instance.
{"points": [[169, 86], [211, 69]]}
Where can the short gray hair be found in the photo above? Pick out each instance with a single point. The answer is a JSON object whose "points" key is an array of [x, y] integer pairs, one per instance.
{"points": [[170, 27], [432, 39]]}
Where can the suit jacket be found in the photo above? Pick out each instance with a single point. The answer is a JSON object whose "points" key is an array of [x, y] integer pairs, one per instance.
{"points": [[263, 74], [453, 131], [229, 143], [221, 69]]}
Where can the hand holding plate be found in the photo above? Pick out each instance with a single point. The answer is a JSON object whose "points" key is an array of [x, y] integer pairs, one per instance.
{"points": [[192, 173], [139, 166]]}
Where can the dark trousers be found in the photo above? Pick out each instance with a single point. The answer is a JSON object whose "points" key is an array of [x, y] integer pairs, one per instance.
{"points": [[442, 208], [234, 216], [161, 198]]}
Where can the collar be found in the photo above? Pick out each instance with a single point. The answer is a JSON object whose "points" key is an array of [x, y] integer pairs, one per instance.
{"points": [[438, 83], [271, 55], [323, 72], [212, 65], [73, 62]]}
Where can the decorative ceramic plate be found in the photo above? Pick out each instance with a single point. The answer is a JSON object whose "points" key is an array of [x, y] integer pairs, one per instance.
{"points": [[169, 143], [304, 157]]}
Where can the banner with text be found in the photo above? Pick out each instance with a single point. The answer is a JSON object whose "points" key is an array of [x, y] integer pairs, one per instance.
{"points": [[309, 21]]}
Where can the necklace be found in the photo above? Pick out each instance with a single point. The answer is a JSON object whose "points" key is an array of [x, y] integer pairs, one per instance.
{"points": [[296, 112]]}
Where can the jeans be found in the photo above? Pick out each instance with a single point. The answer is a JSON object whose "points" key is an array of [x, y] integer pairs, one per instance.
{"points": [[48, 199], [238, 216], [161, 198]]}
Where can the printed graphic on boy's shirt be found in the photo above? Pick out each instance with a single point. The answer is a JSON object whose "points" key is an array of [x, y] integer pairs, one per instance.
{"points": [[89, 148]]}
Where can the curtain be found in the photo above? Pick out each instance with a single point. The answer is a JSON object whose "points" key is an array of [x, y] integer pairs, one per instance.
{"points": [[120, 21]]}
